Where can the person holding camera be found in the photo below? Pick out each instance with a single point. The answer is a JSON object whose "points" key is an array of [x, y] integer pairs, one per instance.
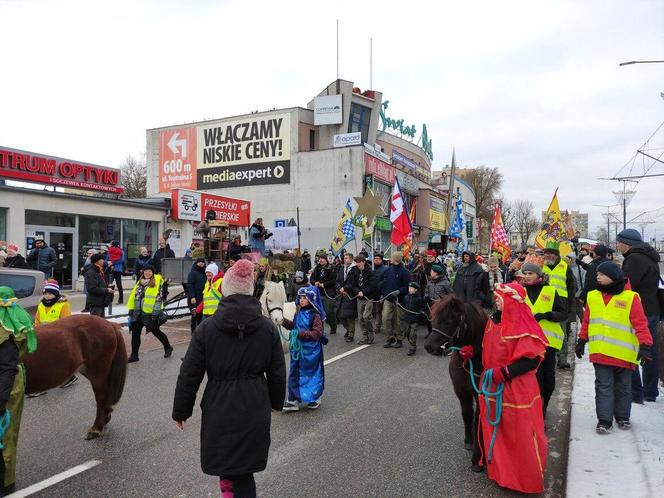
{"points": [[258, 234], [145, 307]]}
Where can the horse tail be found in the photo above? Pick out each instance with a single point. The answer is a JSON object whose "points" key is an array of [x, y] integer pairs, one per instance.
{"points": [[118, 372]]}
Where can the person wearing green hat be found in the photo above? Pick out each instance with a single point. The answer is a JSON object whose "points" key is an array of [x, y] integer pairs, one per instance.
{"points": [[438, 285], [17, 337]]}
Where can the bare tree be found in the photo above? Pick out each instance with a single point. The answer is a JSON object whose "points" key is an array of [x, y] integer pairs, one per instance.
{"points": [[601, 234], [525, 221], [486, 182], [507, 211], [134, 178]]}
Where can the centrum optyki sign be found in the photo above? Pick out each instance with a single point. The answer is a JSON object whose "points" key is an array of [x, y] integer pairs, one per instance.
{"points": [[244, 152], [38, 168]]}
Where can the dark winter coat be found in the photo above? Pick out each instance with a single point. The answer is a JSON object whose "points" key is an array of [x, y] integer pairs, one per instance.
{"points": [[348, 306], [196, 282], [140, 263], [590, 282], [379, 276], [305, 265], [470, 283], [43, 259], [96, 286], [326, 275], [240, 351], [366, 283], [160, 254], [641, 265], [437, 288], [395, 278], [414, 303], [15, 262]]}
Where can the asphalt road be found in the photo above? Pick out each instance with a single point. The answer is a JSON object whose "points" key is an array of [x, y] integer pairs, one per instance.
{"points": [[389, 426]]}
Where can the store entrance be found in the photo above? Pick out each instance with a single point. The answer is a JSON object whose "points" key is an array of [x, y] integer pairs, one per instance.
{"points": [[62, 241]]}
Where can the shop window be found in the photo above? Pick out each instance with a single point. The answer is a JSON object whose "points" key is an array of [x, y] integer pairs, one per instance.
{"points": [[360, 116], [94, 232], [49, 219], [138, 233], [3, 223]]}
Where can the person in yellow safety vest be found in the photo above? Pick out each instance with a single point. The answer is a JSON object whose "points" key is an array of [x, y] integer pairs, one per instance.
{"points": [[51, 308], [549, 310], [616, 327], [212, 291], [146, 307], [561, 278]]}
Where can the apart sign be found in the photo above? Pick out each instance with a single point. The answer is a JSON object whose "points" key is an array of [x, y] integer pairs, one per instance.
{"points": [[192, 205], [328, 110], [347, 139], [38, 168]]}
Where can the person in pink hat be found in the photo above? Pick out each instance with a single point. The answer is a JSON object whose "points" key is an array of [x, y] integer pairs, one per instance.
{"points": [[240, 351]]}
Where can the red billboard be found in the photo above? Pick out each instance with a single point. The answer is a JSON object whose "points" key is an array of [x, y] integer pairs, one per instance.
{"points": [[192, 205], [38, 168], [177, 159], [379, 169]]}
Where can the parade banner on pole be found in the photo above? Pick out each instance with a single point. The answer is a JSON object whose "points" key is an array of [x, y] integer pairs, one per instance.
{"points": [[553, 228], [345, 231], [402, 228], [499, 241]]}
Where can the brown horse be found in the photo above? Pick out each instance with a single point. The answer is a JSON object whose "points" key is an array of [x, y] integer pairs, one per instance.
{"points": [[456, 323], [87, 344]]}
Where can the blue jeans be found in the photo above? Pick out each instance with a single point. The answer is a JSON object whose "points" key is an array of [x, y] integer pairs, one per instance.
{"points": [[613, 393], [648, 387]]}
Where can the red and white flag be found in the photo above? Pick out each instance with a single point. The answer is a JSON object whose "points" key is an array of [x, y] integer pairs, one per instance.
{"points": [[499, 241], [402, 229]]}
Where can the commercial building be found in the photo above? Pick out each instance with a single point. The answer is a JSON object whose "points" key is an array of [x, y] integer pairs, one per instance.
{"points": [[307, 161]]}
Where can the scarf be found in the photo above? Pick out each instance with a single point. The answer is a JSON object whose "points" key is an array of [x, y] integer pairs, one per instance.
{"points": [[614, 288], [50, 302], [15, 320]]}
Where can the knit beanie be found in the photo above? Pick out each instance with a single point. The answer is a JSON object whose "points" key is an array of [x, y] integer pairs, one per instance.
{"points": [[239, 279], [52, 286], [611, 270], [438, 269], [630, 237], [531, 267], [212, 268]]}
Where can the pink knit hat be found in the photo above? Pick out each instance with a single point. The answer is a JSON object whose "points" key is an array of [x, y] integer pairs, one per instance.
{"points": [[239, 279]]}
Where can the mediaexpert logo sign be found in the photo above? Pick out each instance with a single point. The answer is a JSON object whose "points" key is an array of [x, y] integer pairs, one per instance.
{"points": [[244, 176]]}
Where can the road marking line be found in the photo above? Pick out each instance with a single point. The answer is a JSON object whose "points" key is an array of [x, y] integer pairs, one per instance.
{"points": [[343, 355], [40, 486]]}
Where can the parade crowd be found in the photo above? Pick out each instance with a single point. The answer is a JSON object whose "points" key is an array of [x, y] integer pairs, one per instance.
{"points": [[541, 305]]}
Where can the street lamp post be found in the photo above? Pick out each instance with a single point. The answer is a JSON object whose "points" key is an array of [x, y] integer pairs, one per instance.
{"points": [[640, 62]]}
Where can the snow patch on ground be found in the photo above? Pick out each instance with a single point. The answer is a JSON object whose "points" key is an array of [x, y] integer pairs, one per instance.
{"points": [[623, 463]]}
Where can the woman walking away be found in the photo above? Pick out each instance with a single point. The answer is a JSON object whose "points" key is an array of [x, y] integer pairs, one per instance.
{"points": [[240, 351], [306, 377], [145, 308], [514, 450], [116, 258], [52, 308], [196, 281]]}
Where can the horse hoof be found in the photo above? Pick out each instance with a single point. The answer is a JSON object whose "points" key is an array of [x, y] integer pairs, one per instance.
{"points": [[476, 468], [92, 435], [468, 446]]}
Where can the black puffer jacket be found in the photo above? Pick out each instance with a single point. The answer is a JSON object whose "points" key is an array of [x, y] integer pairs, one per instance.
{"points": [[95, 284], [240, 351], [196, 281], [348, 306], [470, 283], [326, 275], [641, 265]]}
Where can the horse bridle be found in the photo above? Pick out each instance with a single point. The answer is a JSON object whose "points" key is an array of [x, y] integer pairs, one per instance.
{"points": [[450, 338], [267, 306]]}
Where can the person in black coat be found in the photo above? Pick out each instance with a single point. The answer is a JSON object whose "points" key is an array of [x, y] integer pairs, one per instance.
{"points": [[365, 290], [305, 265], [240, 351], [413, 315], [100, 294], [324, 277], [590, 282], [470, 283], [14, 259], [195, 286], [143, 260], [347, 287]]}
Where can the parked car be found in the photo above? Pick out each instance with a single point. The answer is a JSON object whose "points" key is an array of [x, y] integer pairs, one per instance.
{"points": [[28, 286]]}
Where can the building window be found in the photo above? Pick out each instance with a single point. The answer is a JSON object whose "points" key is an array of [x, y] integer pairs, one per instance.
{"points": [[136, 234], [312, 139], [49, 219], [3, 223], [359, 120]]}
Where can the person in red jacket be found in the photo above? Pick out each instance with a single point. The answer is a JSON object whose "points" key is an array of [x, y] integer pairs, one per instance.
{"points": [[617, 328]]}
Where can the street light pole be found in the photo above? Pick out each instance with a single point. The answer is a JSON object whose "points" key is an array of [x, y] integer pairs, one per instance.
{"points": [[640, 62]]}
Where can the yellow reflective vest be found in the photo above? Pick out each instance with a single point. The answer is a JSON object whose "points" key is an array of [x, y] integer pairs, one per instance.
{"points": [[558, 277], [50, 314], [610, 329], [150, 297], [211, 296], [544, 303]]}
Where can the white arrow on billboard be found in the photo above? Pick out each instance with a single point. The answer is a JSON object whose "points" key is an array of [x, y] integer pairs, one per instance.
{"points": [[173, 144]]}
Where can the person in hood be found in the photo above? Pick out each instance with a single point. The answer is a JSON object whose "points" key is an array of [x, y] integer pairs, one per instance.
{"points": [[117, 262], [14, 259], [212, 292], [306, 375], [470, 283], [617, 329], [240, 352], [196, 281], [143, 260], [641, 267]]}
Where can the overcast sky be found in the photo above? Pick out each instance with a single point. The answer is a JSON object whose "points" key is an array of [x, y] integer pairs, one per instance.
{"points": [[533, 88]]}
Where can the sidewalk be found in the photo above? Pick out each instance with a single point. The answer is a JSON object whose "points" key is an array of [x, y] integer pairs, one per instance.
{"points": [[623, 463]]}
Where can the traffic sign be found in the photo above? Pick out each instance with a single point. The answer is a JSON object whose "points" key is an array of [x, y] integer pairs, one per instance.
{"points": [[279, 223]]}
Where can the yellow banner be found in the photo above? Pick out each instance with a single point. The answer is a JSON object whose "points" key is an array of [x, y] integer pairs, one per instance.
{"points": [[437, 220], [553, 228]]}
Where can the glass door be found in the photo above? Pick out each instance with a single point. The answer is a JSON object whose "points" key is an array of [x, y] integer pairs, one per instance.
{"points": [[63, 245]]}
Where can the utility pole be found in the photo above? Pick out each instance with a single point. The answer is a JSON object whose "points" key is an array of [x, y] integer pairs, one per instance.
{"points": [[608, 221]]}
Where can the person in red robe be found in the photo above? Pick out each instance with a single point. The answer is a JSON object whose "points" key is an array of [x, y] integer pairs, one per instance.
{"points": [[513, 346]]}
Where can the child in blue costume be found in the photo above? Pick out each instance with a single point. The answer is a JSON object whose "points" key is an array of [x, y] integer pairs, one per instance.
{"points": [[306, 376]]}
